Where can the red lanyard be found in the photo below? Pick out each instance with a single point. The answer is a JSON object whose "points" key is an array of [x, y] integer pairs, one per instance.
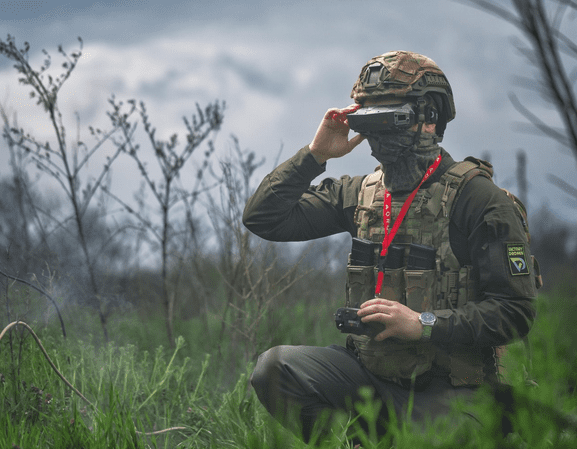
{"points": [[389, 236]]}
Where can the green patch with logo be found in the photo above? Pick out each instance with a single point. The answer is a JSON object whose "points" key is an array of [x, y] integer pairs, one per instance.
{"points": [[517, 259]]}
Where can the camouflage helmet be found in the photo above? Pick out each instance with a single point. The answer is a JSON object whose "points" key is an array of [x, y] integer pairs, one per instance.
{"points": [[406, 74]]}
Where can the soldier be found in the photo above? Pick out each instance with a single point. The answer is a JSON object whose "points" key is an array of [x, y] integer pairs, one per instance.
{"points": [[446, 270]]}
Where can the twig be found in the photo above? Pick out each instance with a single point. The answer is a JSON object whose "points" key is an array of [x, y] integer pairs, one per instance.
{"points": [[22, 323], [59, 374], [566, 187], [40, 291]]}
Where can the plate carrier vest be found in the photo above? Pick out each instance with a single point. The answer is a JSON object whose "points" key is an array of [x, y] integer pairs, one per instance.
{"points": [[448, 286]]}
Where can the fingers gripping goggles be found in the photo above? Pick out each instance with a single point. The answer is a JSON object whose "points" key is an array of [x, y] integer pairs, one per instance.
{"points": [[390, 118]]}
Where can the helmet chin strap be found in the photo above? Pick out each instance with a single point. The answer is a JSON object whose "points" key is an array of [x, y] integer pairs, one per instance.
{"points": [[421, 117], [421, 103]]}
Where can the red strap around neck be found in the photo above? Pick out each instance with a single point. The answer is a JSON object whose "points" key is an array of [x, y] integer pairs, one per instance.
{"points": [[387, 211]]}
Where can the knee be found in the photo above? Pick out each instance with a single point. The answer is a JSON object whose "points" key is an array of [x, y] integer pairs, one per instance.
{"points": [[268, 369]]}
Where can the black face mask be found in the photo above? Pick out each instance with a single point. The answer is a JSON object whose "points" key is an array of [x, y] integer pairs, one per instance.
{"points": [[388, 147], [404, 163]]}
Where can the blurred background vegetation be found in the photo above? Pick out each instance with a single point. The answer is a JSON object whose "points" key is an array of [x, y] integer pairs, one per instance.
{"points": [[122, 285]]}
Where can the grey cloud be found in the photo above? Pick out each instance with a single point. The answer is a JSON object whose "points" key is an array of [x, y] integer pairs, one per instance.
{"points": [[159, 88], [273, 80], [334, 42]]}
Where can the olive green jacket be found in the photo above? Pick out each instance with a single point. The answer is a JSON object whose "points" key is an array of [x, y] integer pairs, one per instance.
{"points": [[285, 207]]}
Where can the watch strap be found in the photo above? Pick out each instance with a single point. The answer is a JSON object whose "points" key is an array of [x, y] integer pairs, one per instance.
{"points": [[427, 331], [428, 320]]}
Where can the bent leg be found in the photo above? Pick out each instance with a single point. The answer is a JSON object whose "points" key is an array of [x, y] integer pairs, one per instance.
{"points": [[296, 384], [307, 380]]}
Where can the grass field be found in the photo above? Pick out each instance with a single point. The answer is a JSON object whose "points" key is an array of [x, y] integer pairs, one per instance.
{"points": [[135, 386]]}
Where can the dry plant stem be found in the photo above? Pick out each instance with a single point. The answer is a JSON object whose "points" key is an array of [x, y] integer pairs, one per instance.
{"points": [[44, 293], [22, 323], [547, 44], [171, 161], [61, 163], [39, 343]]}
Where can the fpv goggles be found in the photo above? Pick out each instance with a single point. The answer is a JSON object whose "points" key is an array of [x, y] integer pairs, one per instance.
{"points": [[387, 118]]}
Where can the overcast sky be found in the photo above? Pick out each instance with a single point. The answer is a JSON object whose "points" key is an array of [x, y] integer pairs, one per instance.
{"points": [[279, 66]]}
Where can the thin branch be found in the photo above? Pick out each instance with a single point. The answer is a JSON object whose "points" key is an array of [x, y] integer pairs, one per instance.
{"points": [[562, 184], [130, 210], [22, 281], [485, 5], [97, 146], [90, 193], [538, 123]]}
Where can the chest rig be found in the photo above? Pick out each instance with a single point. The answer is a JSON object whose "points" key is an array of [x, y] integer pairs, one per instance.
{"points": [[445, 284]]}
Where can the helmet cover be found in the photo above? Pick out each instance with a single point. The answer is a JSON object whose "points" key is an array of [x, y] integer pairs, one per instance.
{"points": [[405, 74]]}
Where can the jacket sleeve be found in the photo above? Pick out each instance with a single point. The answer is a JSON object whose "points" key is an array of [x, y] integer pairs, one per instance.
{"points": [[491, 229], [285, 207]]}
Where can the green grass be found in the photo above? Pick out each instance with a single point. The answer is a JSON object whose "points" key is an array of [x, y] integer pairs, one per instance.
{"points": [[136, 385]]}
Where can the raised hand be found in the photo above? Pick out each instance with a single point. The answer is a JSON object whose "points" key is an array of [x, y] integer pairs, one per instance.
{"points": [[332, 137]]}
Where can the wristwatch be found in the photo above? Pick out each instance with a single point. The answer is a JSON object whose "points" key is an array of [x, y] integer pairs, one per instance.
{"points": [[428, 320]]}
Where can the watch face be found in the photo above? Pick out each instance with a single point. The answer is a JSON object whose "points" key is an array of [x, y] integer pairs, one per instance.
{"points": [[428, 318]]}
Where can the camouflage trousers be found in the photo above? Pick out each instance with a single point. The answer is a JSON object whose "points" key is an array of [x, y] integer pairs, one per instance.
{"points": [[297, 384]]}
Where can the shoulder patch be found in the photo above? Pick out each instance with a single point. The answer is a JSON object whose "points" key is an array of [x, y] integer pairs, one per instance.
{"points": [[517, 259]]}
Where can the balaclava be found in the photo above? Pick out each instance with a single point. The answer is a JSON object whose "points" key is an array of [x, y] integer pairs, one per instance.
{"points": [[404, 155], [403, 163]]}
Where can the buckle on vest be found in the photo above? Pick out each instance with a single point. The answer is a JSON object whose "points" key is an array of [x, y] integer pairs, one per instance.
{"points": [[370, 216]]}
